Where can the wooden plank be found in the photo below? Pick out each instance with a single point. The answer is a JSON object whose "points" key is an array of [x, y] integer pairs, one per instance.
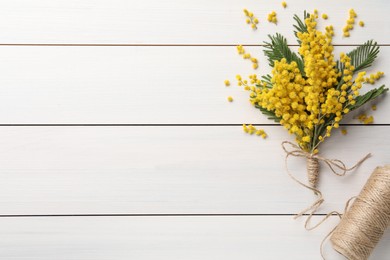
{"points": [[140, 238], [175, 21], [134, 85], [171, 170]]}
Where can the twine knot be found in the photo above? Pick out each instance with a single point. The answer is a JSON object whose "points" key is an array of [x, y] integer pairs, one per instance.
{"points": [[336, 166]]}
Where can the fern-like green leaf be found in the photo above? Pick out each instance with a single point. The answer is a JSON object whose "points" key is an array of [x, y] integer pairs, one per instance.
{"points": [[300, 26], [267, 80], [278, 49], [270, 115], [370, 95], [362, 57]]}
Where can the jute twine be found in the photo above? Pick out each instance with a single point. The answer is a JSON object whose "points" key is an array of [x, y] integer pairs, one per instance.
{"points": [[363, 224], [335, 165]]}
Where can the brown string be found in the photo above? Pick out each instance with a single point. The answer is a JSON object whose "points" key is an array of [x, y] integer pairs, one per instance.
{"points": [[336, 166], [364, 223]]}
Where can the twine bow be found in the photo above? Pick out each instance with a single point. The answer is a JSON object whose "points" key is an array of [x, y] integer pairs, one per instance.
{"points": [[337, 167]]}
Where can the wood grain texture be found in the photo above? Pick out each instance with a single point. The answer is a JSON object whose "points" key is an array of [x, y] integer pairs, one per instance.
{"points": [[171, 170], [166, 170], [136, 85], [175, 21], [101, 238]]}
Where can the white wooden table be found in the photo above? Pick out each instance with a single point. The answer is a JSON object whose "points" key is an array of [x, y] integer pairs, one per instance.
{"points": [[117, 142]]}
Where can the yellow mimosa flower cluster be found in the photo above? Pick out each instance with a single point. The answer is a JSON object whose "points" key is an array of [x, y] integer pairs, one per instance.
{"points": [[310, 92], [374, 77], [227, 83], [250, 129], [304, 100], [272, 17], [363, 118], [350, 23], [284, 4], [245, 55], [251, 19]]}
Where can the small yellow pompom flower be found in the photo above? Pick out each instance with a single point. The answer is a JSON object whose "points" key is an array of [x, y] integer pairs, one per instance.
{"points": [[247, 56], [373, 107], [230, 99], [284, 4], [250, 129], [227, 83], [361, 23], [344, 131], [324, 16], [363, 118], [369, 120], [272, 18], [251, 19], [350, 23]]}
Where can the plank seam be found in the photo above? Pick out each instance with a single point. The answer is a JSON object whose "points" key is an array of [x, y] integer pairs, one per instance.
{"points": [[156, 125], [151, 45], [158, 215]]}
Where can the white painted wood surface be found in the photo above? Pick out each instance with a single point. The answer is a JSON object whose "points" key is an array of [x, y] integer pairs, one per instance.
{"points": [[175, 21], [144, 238], [136, 85], [171, 169]]}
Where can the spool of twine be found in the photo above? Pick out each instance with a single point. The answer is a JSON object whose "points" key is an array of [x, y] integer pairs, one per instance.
{"points": [[363, 224]]}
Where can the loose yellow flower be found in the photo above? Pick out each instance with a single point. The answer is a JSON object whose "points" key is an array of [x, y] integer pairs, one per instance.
{"points": [[227, 83], [230, 99], [350, 23], [361, 23], [374, 77], [369, 120], [373, 107], [241, 51], [324, 16], [272, 18], [363, 118], [250, 129], [245, 128], [284, 4], [344, 131], [251, 19]]}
